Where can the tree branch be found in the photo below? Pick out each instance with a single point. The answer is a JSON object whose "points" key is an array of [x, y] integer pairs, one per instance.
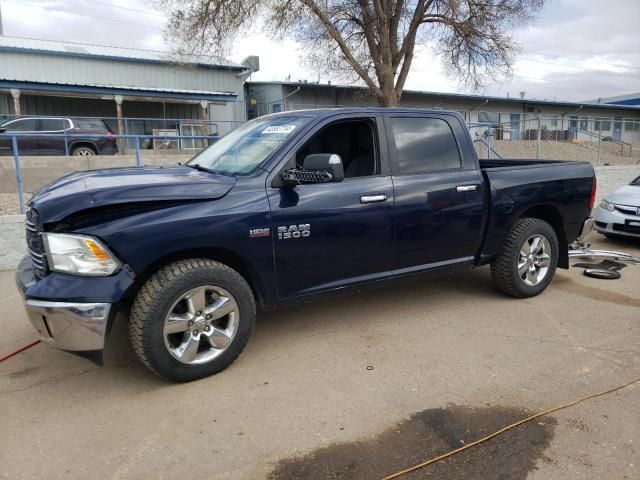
{"points": [[335, 34]]}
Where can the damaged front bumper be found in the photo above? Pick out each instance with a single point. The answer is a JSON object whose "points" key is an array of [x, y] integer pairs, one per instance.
{"points": [[70, 312], [70, 326]]}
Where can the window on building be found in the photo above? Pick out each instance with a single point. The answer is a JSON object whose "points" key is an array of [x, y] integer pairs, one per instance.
{"points": [[489, 117], [424, 145], [602, 125], [553, 122], [584, 124], [22, 125], [276, 107], [632, 125]]}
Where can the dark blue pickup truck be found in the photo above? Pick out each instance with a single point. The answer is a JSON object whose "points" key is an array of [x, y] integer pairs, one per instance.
{"points": [[286, 207]]}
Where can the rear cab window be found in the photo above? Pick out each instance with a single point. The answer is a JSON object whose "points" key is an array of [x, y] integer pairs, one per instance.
{"points": [[423, 144]]}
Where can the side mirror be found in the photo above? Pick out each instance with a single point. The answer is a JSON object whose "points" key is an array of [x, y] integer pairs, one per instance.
{"points": [[330, 162], [316, 168]]}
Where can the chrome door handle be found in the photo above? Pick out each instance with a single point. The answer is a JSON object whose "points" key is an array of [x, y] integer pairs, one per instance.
{"points": [[373, 198], [466, 188]]}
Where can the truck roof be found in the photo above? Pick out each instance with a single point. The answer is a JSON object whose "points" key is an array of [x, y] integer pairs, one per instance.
{"points": [[333, 110]]}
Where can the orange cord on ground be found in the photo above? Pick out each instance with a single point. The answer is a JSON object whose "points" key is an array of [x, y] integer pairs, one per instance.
{"points": [[508, 427], [22, 349]]}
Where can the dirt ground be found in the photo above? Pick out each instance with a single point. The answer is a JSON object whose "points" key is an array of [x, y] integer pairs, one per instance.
{"points": [[355, 387]]}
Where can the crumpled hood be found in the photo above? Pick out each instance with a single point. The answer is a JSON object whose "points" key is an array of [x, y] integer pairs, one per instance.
{"points": [[627, 195], [96, 188]]}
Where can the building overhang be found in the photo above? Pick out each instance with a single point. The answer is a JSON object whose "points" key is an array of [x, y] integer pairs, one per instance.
{"points": [[108, 91]]}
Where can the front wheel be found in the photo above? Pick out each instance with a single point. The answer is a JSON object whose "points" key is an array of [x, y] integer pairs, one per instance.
{"points": [[528, 259], [191, 319]]}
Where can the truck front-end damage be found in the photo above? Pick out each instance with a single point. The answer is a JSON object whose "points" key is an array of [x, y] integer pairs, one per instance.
{"points": [[72, 281]]}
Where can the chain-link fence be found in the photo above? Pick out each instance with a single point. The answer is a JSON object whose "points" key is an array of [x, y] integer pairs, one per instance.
{"points": [[599, 140]]}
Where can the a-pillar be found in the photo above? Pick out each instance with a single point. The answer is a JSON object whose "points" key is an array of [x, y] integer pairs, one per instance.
{"points": [[15, 93]]}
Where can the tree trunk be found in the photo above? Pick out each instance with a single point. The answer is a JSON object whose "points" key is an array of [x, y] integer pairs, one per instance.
{"points": [[388, 96]]}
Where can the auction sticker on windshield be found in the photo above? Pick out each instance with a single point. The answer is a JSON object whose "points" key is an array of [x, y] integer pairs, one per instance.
{"points": [[282, 129]]}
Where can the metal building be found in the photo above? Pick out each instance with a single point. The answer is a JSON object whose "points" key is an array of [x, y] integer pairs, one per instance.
{"points": [[628, 99], [519, 117], [41, 77]]}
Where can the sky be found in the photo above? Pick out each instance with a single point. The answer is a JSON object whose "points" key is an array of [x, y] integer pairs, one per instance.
{"points": [[574, 49]]}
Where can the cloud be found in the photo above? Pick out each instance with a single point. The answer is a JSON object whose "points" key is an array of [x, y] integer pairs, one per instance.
{"points": [[574, 50]]}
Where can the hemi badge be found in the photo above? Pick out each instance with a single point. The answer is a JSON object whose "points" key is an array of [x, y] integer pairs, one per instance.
{"points": [[259, 232]]}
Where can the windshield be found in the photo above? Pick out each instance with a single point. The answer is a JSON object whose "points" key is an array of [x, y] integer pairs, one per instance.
{"points": [[242, 150]]}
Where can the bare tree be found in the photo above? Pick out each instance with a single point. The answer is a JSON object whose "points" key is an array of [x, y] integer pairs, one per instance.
{"points": [[375, 39]]}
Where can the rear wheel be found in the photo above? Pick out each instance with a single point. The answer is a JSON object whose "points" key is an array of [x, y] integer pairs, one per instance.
{"points": [[528, 259], [83, 151], [191, 319]]}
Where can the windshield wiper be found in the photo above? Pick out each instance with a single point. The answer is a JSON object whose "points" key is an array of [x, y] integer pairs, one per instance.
{"points": [[199, 167]]}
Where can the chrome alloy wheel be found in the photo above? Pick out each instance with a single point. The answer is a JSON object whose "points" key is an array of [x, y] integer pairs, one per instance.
{"points": [[534, 259], [201, 324]]}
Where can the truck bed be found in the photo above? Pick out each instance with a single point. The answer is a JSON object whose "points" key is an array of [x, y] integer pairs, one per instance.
{"points": [[510, 164], [516, 185]]}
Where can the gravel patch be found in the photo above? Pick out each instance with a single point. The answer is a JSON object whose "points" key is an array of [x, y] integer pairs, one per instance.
{"points": [[9, 204]]}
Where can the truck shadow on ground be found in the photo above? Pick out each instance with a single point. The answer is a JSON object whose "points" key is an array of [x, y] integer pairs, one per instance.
{"points": [[428, 434], [333, 308], [274, 329]]}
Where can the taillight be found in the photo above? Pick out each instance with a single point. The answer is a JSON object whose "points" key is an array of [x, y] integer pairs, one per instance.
{"points": [[110, 135], [594, 187]]}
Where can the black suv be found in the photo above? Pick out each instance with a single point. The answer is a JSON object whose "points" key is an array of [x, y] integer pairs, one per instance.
{"points": [[56, 145]]}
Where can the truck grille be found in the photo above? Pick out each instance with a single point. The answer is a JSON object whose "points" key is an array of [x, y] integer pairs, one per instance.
{"points": [[35, 244]]}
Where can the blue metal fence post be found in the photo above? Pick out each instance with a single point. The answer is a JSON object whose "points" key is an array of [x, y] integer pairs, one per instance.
{"points": [[126, 132], [138, 151], [16, 162], [66, 143]]}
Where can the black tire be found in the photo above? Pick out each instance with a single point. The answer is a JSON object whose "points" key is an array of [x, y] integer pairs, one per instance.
{"points": [[159, 294], [504, 267], [82, 151]]}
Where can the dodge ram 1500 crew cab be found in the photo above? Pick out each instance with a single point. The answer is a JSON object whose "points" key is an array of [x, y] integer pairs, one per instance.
{"points": [[286, 207]]}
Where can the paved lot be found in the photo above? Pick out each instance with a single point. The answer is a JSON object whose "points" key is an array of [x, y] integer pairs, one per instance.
{"points": [[409, 370]]}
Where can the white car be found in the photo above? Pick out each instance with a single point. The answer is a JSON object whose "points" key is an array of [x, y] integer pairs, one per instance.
{"points": [[619, 213]]}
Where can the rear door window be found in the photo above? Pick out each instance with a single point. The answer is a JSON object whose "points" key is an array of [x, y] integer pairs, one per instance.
{"points": [[53, 124], [424, 144]]}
